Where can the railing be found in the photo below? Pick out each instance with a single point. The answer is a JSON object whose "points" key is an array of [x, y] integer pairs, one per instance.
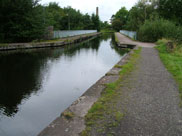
{"points": [[62, 34], [131, 34]]}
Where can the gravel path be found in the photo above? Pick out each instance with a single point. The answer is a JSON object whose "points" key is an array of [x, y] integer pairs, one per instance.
{"points": [[150, 99]]}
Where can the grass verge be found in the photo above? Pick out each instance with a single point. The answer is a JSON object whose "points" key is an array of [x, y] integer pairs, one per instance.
{"points": [[95, 117], [172, 61], [116, 38]]}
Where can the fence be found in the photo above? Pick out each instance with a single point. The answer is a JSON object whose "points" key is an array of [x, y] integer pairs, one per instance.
{"points": [[62, 34], [131, 34]]}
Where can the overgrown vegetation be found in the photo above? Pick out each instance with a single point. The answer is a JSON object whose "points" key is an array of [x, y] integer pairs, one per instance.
{"points": [[172, 61], [152, 19], [151, 31], [106, 103]]}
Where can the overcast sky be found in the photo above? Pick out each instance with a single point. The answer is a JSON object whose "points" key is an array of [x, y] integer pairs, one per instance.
{"points": [[106, 7]]}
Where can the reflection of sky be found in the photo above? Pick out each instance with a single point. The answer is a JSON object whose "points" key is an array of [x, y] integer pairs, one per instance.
{"points": [[66, 78]]}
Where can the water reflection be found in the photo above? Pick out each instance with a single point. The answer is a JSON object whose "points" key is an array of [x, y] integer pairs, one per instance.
{"points": [[36, 85]]}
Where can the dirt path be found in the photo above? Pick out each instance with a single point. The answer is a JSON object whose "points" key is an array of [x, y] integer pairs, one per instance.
{"points": [[149, 99]]}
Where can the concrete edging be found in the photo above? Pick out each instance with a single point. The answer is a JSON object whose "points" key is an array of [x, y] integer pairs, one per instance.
{"points": [[66, 41], [62, 126]]}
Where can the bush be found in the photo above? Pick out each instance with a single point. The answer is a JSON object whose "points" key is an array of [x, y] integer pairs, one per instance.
{"points": [[151, 31]]}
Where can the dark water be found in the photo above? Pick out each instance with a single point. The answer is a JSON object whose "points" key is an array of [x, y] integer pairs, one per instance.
{"points": [[37, 85]]}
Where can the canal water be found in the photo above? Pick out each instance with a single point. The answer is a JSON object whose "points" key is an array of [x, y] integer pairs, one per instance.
{"points": [[37, 85]]}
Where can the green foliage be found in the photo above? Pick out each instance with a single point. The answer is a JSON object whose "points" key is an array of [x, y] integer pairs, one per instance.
{"points": [[117, 25], [21, 20], [119, 19], [27, 20], [133, 19], [171, 9], [105, 26], [96, 22], [151, 31], [172, 61]]}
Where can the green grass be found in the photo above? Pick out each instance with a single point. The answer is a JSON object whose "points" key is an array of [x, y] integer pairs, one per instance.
{"points": [[104, 104], [116, 38], [172, 61]]}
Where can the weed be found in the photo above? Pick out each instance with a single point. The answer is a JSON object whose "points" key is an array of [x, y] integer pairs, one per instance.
{"points": [[68, 115]]}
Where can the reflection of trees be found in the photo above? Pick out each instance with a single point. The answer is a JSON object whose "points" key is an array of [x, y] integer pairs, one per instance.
{"points": [[90, 44], [22, 72], [120, 51], [19, 77], [106, 36]]}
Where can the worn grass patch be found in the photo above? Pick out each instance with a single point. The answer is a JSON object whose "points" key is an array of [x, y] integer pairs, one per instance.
{"points": [[172, 61], [116, 38], [68, 115], [105, 106]]}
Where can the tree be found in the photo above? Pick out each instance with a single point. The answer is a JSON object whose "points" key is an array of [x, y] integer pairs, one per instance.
{"points": [[96, 22], [117, 24], [171, 9], [120, 18], [53, 15], [105, 25], [21, 20], [139, 13]]}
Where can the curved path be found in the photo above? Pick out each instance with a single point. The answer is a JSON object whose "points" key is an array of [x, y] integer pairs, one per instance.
{"points": [[151, 98], [125, 40]]}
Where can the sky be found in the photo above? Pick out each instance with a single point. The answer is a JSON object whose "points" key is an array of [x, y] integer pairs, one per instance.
{"points": [[106, 7]]}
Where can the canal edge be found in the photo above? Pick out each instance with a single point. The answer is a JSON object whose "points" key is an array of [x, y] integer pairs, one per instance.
{"points": [[71, 122], [66, 41]]}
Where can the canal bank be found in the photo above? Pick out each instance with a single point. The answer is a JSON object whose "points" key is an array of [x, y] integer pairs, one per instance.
{"points": [[72, 121], [41, 83], [49, 44]]}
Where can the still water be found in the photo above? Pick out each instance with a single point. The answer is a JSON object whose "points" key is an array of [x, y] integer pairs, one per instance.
{"points": [[37, 85]]}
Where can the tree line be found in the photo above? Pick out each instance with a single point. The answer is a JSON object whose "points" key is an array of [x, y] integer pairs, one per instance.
{"points": [[152, 19], [26, 20]]}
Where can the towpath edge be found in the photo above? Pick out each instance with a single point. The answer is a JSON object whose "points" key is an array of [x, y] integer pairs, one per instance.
{"points": [[62, 42], [71, 122]]}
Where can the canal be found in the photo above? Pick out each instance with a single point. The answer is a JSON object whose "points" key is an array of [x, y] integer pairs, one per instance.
{"points": [[37, 85]]}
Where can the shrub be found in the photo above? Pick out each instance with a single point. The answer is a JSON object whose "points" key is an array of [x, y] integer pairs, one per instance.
{"points": [[151, 31]]}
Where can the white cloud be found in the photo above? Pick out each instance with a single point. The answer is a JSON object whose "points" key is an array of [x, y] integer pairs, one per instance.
{"points": [[106, 7]]}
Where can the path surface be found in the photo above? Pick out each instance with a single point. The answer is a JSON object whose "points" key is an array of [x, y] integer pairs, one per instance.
{"points": [[151, 99], [125, 40]]}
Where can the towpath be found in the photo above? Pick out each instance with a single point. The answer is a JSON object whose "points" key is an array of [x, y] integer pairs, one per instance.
{"points": [[150, 99]]}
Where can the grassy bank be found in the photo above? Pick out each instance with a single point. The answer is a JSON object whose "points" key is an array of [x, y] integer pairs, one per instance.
{"points": [[172, 61], [105, 108], [116, 38]]}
